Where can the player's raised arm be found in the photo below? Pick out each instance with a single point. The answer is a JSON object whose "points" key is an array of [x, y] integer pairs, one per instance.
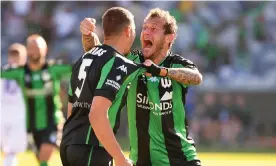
{"points": [[186, 76], [89, 38], [185, 72]]}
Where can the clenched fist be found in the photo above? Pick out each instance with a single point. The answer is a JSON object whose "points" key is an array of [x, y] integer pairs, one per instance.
{"points": [[154, 69], [87, 26]]}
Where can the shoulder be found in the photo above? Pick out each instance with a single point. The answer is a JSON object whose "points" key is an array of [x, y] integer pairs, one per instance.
{"points": [[177, 59], [11, 67], [136, 52], [135, 55], [119, 59], [56, 62]]}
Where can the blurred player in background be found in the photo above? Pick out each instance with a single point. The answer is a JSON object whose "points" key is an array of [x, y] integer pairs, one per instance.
{"points": [[40, 82], [156, 106], [13, 129]]}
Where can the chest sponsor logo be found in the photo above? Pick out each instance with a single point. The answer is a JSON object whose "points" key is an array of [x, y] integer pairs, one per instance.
{"points": [[112, 83], [167, 96], [123, 68], [166, 83], [162, 108]]}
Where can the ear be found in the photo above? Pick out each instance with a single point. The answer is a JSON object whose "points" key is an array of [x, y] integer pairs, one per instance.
{"points": [[170, 38], [46, 51], [128, 31]]}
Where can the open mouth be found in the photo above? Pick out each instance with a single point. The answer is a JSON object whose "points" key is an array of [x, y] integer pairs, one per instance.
{"points": [[147, 44]]}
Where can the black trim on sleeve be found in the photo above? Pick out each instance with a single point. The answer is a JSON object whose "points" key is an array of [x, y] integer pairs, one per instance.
{"points": [[105, 93], [183, 61], [70, 99]]}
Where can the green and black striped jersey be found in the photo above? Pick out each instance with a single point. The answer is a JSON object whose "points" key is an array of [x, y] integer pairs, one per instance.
{"points": [[100, 72], [156, 115], [41, 90]]}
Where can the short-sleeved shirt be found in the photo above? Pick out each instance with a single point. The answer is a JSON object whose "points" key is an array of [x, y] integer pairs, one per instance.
{"points": [[100, 72], [41, 90], [158, 125]]}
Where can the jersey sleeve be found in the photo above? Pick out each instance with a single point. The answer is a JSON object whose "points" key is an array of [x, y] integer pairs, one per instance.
{"points": [[11, 72], [180, 62], [109, 83]]}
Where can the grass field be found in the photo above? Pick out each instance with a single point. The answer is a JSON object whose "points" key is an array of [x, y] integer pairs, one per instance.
{"points": [[208, 159]]}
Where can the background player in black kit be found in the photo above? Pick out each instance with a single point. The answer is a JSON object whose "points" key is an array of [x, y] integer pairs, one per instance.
{"points": [[101, 75]]}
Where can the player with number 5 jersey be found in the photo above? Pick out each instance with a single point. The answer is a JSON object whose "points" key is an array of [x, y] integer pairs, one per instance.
{"points": [[96, 95]]}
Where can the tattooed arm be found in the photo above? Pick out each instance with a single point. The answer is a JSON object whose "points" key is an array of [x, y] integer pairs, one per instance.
{"points": [[89, 41], [185, 75]]}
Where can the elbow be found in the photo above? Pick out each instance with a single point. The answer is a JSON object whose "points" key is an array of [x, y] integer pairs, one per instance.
{"points": [[199, 79], [93, 117]]}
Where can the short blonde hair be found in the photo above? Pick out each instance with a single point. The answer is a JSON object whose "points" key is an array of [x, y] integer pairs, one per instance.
{"points": [[170, 26]]}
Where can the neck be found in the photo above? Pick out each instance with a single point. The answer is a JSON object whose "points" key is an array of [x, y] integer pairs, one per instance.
{"points": [[36, 66], [159, 57], [115, 43]]}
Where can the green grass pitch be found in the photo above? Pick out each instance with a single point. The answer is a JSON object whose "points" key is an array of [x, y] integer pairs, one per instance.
{"points": [[208, 159]]}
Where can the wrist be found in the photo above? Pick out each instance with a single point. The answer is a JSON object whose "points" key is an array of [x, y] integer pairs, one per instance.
{"points": [[86, 42], [164, 72], [119, 157]]}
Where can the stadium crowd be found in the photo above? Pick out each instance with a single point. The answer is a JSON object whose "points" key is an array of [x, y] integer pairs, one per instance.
{"points": [[233, 44]]}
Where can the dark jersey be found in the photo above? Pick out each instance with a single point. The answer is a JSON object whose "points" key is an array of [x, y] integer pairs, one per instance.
{"points": [[41, 92], [157, 118], [100, 72]]}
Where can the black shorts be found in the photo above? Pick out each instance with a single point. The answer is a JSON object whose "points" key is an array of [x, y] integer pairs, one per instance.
{"points": [[48, 135], [183, 163], [88, 155]]}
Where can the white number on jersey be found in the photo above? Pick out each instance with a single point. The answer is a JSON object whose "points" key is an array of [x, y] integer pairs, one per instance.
{"points": [[82, 74]]}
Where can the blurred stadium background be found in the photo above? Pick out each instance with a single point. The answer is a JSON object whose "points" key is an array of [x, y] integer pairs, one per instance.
{"points": [[233, 44]]}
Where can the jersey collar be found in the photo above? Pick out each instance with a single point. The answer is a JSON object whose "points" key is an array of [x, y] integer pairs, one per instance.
{"points": [[167, 60]]}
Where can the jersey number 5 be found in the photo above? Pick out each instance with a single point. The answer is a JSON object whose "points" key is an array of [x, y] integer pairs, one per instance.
{"points": [[82, 74]]}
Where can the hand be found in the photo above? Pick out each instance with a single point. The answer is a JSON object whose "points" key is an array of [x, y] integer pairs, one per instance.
{"points": [[123, 162], [87, 26], [155, 70]]}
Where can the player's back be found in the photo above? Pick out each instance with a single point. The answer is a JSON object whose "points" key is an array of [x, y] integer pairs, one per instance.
{"points": [[100, 72]]}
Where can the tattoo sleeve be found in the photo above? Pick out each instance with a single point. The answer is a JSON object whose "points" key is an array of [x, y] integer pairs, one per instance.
{"points": [[89, 41], [185, 75]]}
